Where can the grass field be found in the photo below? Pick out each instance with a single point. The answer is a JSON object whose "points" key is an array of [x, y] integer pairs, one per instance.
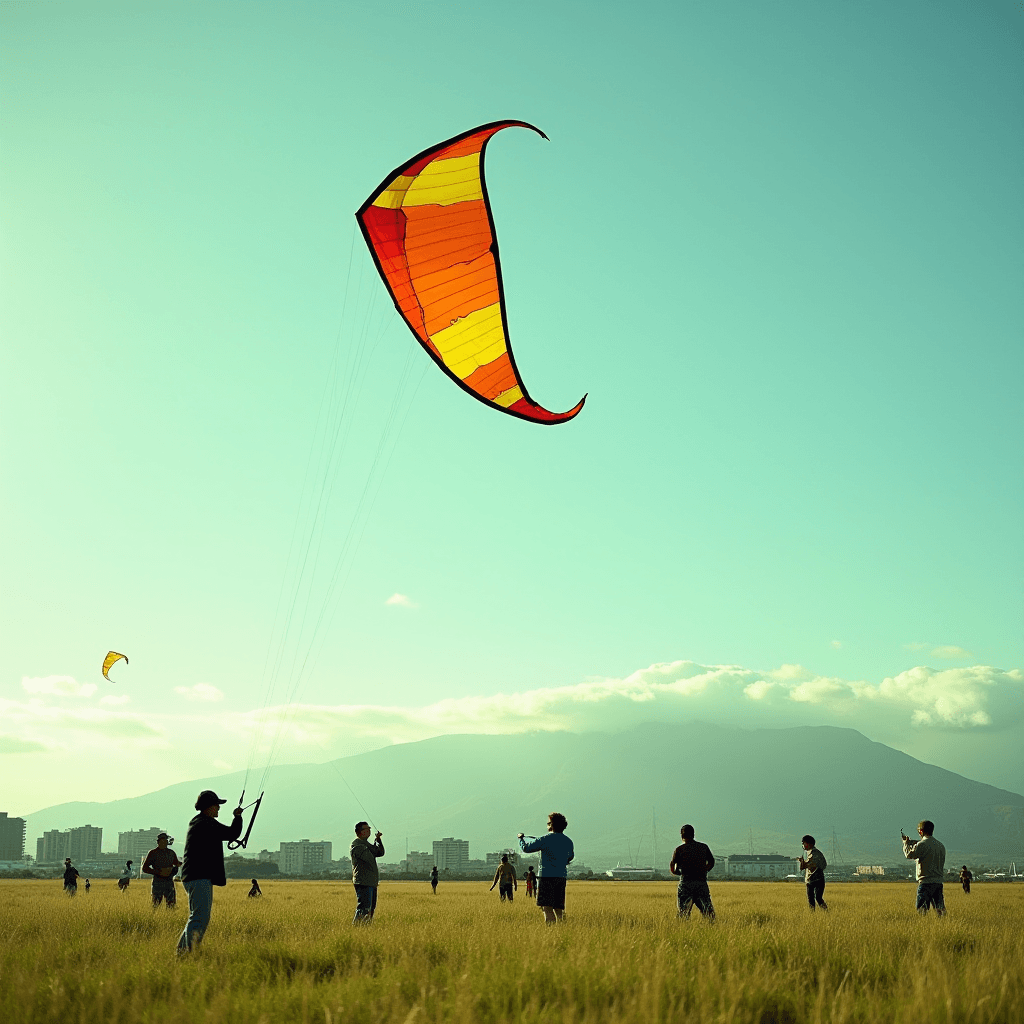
{"points": [[621, 955]]}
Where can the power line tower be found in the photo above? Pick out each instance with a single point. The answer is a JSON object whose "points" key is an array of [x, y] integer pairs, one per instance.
{"points": [[837, 853]]}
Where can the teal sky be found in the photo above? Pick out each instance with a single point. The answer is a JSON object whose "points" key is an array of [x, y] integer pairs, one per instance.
{"points": [[779, 245]]}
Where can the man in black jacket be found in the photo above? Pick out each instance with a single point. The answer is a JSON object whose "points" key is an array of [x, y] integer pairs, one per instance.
{"points": [[203, 865], [692, 861]]}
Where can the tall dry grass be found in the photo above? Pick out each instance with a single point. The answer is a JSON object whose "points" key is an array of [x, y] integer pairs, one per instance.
{"points": [[621, 956]]}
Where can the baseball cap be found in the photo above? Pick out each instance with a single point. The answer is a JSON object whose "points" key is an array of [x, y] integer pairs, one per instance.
{"points": [[207, 799]]}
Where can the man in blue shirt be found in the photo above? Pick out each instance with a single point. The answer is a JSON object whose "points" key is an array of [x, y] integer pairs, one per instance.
{"points": [[556, 854]]}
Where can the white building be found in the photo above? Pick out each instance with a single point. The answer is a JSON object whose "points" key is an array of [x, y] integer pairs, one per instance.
{"points": [[135, 845], [760, 865], [417, 863], [304, 857], [451, 854]]}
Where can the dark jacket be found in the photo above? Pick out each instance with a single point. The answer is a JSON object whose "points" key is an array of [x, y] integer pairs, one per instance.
{"points": [[204, 849], [364, 856]]}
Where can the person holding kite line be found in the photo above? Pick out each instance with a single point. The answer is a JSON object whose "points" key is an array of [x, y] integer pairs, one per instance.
{"points": [[433, 879], [813, 867], [365, 876], [162, 863], [930, 855], [203, 866], [556, 854]]}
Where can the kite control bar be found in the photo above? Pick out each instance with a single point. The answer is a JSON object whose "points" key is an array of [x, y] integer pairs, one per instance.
{"points": [[234, 844]]}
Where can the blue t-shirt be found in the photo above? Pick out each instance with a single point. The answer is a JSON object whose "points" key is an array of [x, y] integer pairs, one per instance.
{"points": [[556, 853]]}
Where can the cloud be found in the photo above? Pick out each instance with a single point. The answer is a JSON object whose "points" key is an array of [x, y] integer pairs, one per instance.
{"points": [[925, 698], [113, 700], [14, 745], [37, 716], [837, 644], [951, 653], [61, 686], [401, 601], [200, 692]]}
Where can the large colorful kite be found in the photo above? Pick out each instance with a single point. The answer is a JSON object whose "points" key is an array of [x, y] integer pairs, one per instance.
{"points": [[429, 227]]}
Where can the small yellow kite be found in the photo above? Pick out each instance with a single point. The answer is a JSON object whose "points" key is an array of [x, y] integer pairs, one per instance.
{"points": [[110, 661]]}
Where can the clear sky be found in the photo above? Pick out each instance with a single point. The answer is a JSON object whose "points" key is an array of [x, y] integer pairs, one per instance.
{"points": [[779, 244]]}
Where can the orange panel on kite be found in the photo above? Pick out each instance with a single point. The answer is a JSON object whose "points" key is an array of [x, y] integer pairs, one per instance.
{"points": [[428, 225]]}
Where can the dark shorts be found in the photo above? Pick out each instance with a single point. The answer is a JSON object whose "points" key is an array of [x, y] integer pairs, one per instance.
{"points": [[122, 883], [551, 892]]}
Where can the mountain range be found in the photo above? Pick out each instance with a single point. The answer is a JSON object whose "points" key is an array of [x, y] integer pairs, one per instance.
{"points": [[625, 795]]}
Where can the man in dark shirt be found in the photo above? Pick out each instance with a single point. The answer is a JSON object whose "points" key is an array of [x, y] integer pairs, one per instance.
{"points": [[365, 875], [70, 877], [162, 863], [203, 866], [692, 861]]}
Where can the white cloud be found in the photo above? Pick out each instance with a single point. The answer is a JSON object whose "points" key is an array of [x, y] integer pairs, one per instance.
{"points": [[61, 686], [962, 699], [204, 692], [950, 652], [837, 644], [401, 601], [113, 700]]}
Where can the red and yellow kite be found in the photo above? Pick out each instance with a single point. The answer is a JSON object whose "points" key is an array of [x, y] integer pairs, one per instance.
{"points": [[429, 227]]}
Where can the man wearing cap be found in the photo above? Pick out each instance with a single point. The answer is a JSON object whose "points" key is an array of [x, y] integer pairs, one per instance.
{"points": [[162, 863], [203, 866]]}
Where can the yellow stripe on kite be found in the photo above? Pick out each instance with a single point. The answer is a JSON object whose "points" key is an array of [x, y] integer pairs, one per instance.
{"points": [[441, 183], [507, 398], [473, 341]]}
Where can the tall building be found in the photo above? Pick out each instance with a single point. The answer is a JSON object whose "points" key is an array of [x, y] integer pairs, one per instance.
{"points": [[134, 846], [12, 837], [84, 842], [451, 854], [304, 857], [50, 847]]}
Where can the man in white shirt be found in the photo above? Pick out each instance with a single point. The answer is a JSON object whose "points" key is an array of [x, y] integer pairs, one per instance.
{"points": [[930, 855]]}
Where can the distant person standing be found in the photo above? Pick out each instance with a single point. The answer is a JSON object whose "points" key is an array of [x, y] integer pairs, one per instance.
{"points": [[365, 875], [505, 879], [88, 885], [930, 855], [433, 879], [203, 866], [692, 861], [965, 879], [162, 863], [126, 876], [813, 867], [556, 854], [255, 889], [531, 882], [70, 878]]}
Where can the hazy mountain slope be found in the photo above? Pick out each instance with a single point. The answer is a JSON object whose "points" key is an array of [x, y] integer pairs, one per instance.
{"points": [[775, 783]]}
